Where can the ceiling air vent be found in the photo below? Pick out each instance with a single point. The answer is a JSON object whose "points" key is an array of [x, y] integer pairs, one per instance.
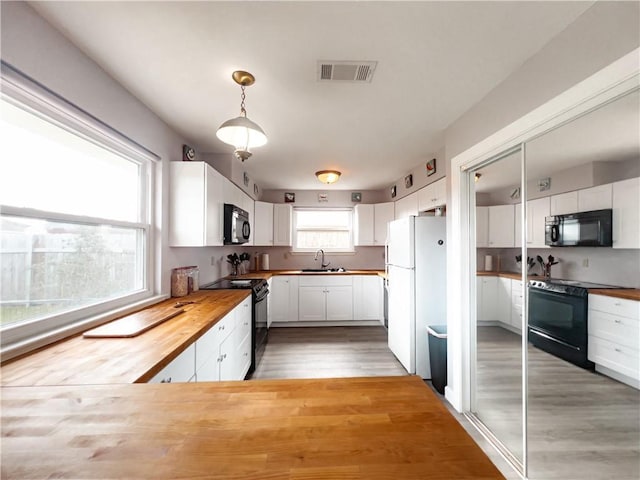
{"points": [[332, 71]]}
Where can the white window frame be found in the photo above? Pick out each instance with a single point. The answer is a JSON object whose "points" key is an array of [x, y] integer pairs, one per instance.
{"points": [[28, 95], [349, 249]]}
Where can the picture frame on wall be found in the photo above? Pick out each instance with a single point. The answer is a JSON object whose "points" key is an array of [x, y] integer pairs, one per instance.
{"points": [[245, 179], [393, 192], [408, 181], [356, 197], [255, 188], [188, 153], [289, 197], [431, 167]]}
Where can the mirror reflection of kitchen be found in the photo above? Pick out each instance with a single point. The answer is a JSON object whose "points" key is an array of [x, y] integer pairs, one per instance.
{"points": [[497, 397], [583, 406]]}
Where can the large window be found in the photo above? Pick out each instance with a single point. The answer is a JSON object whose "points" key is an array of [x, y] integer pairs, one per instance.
{"points": [[74, 221], [329, 229]]}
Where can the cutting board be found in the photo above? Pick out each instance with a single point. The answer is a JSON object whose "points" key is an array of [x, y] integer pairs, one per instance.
{"points": [[133, 324]]}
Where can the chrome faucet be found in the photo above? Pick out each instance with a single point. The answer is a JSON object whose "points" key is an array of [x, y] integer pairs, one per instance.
{"points": [[322, 264]]}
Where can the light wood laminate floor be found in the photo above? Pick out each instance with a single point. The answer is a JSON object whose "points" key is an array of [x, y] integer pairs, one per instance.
{"points": [[582, 425], [326, 352]]}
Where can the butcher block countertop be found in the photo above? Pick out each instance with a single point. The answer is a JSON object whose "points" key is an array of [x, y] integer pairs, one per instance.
{"points": [[347, 428], [86, 361], [627, 293]]}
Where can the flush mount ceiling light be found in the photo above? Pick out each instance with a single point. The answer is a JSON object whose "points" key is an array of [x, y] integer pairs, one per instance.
{"points": [[328, 176], [241, 132]]}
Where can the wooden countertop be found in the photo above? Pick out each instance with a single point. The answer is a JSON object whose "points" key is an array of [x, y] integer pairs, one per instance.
{"points": [[346, 428], [627, 293], [85, 361]]}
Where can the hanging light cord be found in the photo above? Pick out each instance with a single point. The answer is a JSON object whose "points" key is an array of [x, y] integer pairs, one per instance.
{"points": [[243, 112]]}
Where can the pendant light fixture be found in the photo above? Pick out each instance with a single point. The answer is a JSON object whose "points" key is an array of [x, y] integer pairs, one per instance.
{"points": [[241, 132], [328, 176]]}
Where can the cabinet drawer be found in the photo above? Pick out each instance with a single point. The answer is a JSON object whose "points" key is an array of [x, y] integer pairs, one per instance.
{"points": [[325, 280], [244, 357], [615, 306], [614, 328], [622, 359]]}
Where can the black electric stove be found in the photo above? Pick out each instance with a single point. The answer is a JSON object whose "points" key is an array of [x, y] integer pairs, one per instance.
{"points": [[558, 318], [259, 293]]}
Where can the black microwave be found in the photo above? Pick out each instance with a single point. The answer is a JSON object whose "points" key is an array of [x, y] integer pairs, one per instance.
{"points": [[583, 229], [236, 225]]}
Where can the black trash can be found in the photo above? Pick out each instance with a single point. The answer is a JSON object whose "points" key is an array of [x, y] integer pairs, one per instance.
{"points": [[438, 356]]}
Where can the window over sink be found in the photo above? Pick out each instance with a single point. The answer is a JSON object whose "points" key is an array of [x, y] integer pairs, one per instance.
{"points": [[329, 229], [74, 215]]}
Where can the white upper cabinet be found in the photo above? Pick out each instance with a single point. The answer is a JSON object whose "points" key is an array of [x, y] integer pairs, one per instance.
{"points": [[263, 224], [564, 203], [195, 205], [364, 224], [407, 206], [371, 223], [432, 196], [482, 226], [282, 219], [537, 211], [626, 213], [383, 213], [595, 198], [501, 226]]}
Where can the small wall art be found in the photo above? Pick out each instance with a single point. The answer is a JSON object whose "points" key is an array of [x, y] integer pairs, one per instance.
{"points": [[408, 181], [393, 192], [289, 197], [431, 167], [323, 197], [245, 179], [356, 197], [188, 153], [255, 188]]}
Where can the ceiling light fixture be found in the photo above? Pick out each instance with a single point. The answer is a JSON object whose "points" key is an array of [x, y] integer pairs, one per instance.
{"points": [[328, 176], [241, 132]]}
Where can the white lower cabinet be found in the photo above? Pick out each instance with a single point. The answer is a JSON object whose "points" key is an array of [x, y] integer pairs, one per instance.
{"points": [[516, 304], [504, 300], [222, 353], [368, 298], [181, 368], [283, 299], [487, 298], [614, 337], [325, 298]]}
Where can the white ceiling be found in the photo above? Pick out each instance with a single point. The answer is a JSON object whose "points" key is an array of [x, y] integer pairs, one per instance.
{"points": [[609, 133], [435, 60]]}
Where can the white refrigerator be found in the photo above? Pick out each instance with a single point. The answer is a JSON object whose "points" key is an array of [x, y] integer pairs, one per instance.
{"points": [[416, 272]]}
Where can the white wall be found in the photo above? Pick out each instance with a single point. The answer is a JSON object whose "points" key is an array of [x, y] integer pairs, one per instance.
{"points": [[32, 46]]}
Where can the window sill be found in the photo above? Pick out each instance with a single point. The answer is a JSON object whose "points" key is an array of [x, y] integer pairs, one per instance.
{"points": [[22, 347]]}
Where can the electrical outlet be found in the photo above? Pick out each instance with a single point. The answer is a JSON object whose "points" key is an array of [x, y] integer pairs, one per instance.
{"points": [[585, 262]]}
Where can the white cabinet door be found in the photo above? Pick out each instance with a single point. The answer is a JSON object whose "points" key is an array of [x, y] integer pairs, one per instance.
{"points": [[487, 298], [282, 219], [364, 225], [312, 304], [432, 196], [482, 226], [339, 303], [564, 203], [368, 299], [626, 213], [383, 214], [503, 309], [595, 198], [516, 304], [181, 368], [537, 211], [195, 205], [263, 224], [283, 298], [407, 206], [517, 225], [501, 226]]}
